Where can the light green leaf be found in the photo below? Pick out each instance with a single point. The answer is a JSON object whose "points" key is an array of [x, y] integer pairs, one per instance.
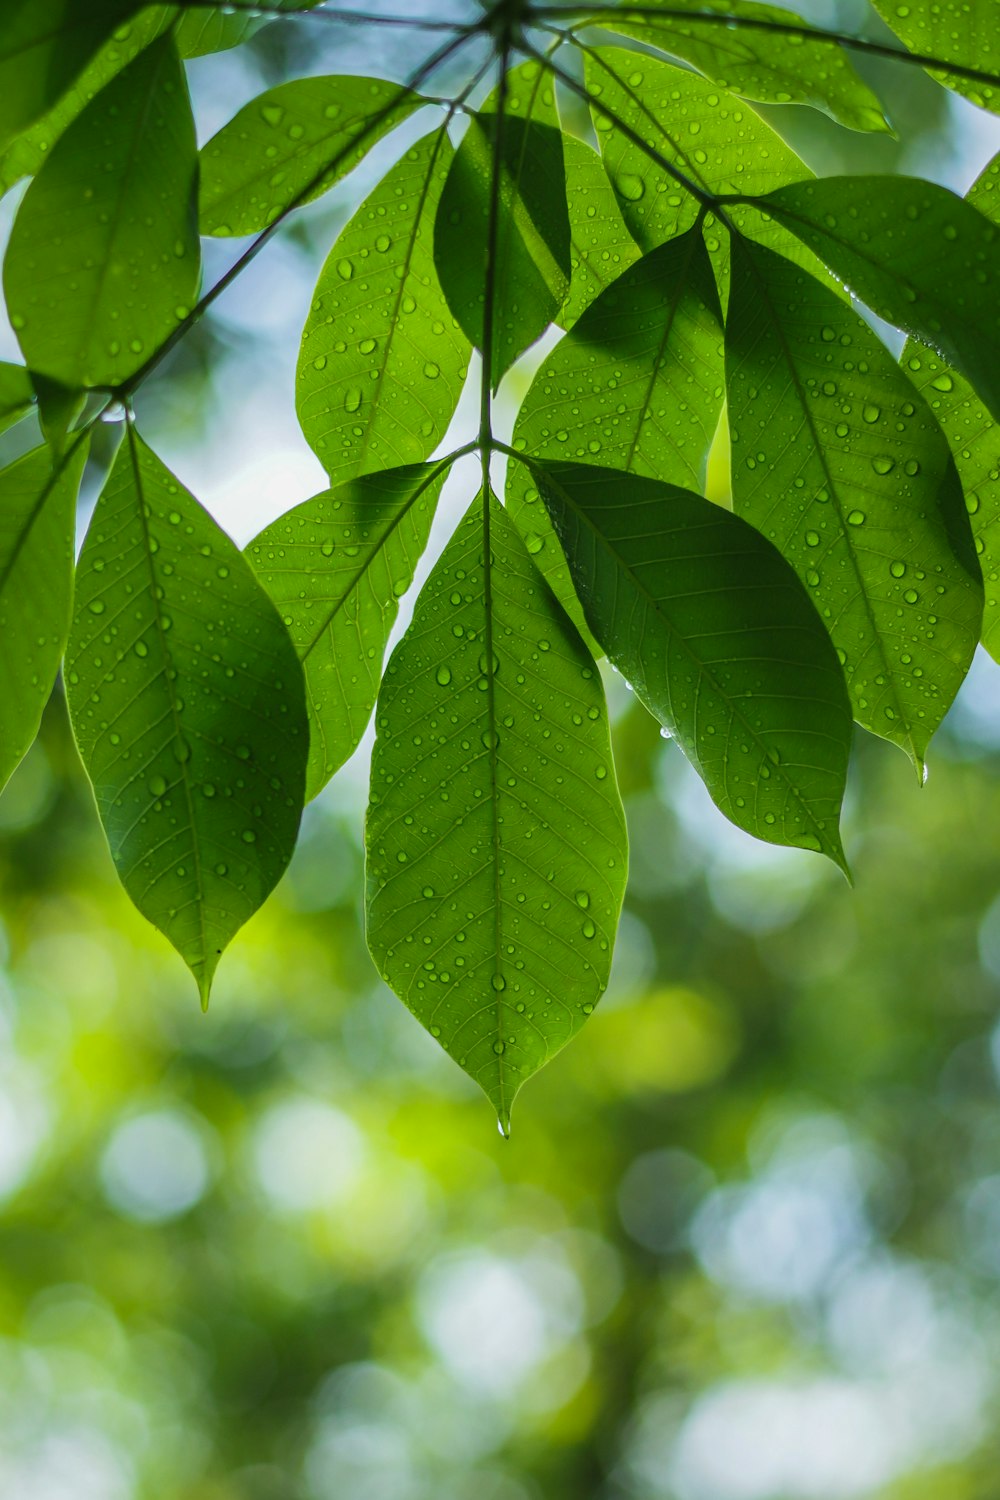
{"points": [[719, 639], [957, 31], [199, 31], [531, 275], [383, 361], [290, 145], [43, 46], [188, 706], [336, 567], [17, 394], [601, 247], [758, 64], [636, 385], [838, 461], [496, 841], [37, 516], [103, 257], [918, 255]]}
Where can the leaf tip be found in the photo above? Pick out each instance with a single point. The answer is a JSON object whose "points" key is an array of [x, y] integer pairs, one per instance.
{"points": [[503, 1124]]}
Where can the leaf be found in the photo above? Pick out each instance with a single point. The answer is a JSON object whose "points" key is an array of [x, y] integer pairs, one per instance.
{"points": [[17, 394], [531, 273], [382, 361], [336, 567], [187, 703], [957, 31], [636, 385], [37, 516], [601, 247], [837, 460], [918, 255], [103, 257], [58, 409], [198, 32], [759, 64], [721, 642], [44, 44], [496, 841], [290, 145]]}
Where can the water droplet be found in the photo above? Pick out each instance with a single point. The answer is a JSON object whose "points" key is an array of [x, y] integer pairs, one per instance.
{"points": [[443, 676], [157, 786]]}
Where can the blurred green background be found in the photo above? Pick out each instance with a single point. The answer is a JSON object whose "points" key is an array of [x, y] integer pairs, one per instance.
{"points": [[745, 1241]]}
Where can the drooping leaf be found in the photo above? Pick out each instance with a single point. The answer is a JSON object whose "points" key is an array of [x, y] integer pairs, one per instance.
{"points": [[37, 514], [188, 706], [601, 247], [719, 639], [636, 385], [44, 44], [290, 145], [920, 257], [59, 406], [496, 841], [336, 567], [383, 361], [103, 258], [199, 31], [958, 31], [838, 461], [17, 394], [769, 66], [531, 272]]}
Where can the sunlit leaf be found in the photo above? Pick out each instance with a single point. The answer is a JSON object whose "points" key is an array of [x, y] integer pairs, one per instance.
{"points": [[918, 255], [290, 145], [17, 394], [957, 31], [496, 841], [103, 257], [531, 274], [188, 705], [43, 46], [758, 64], [601, 247], [37, 514], [839, 462], [336, 567], [383, 361], [717, 636]]}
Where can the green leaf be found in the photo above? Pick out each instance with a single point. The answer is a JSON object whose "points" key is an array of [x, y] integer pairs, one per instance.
{"points": [[918, 255], [636, 385], [838, 461], [188, 706], [496, 841], [719, 639], [59, 406], [601, 247], [336, 567], [103, 257], [37, 516], [531, 274], [957, 31], [290, 145], [714, 140], [44, 44], [759, 64], [383, 361], [200, 31], [17, 394]]}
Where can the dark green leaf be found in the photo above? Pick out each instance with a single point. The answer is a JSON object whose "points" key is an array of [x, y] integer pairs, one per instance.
{"points": [[759, 64], [531, 274], [188, 705], [336, 567], [17, 394], [43, 46], [37, 515], [58, 408], [496, 841], [719, 639], [601, 247], [382, 360], [839, 462], [103, 257], [957, 31], [290, 145], [918, 255]]}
